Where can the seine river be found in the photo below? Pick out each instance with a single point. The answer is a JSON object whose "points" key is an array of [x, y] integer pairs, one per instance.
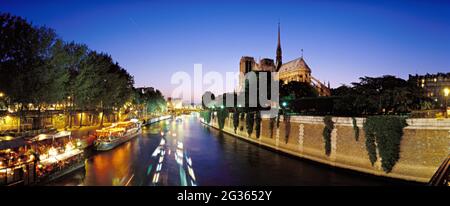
{"points": [[185, 152]]}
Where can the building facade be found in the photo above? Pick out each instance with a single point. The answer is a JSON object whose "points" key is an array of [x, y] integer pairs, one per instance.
{"points": [[433, 85], [294, 70]]}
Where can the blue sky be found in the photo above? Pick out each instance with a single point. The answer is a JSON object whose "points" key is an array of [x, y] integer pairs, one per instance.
{"points": [[342, 40]]}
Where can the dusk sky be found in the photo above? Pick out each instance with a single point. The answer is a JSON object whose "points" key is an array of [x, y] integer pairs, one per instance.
{"points": [[342, 40]]}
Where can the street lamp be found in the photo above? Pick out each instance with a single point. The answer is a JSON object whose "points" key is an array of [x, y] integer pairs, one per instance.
{"points": [[446, 92], [2, 94]]}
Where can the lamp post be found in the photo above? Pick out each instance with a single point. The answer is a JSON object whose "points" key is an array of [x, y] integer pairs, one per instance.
{"points": [[446, 92]]}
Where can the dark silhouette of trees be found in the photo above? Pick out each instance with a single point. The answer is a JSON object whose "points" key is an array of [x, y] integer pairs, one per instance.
{"points": [[38, 69], [378, 95]]}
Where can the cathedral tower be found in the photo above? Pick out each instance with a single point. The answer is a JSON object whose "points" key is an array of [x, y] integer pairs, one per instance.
{"points": [[278, 58]]}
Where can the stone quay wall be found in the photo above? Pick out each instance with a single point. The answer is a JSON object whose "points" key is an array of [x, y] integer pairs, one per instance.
{"points": [[424, 146]]}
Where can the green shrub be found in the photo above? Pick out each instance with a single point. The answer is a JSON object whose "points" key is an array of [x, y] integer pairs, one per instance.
{"points": [[222, 114], [329, 126], [385, 134], [355, 128], [206, 115], [235, 120], [242, 119], [250, 119]]}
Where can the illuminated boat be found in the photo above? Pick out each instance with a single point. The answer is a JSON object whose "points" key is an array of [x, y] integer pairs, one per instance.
{"points": [[110, 137], [58, 155]]}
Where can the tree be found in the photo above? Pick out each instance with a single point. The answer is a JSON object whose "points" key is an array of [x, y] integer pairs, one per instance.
{"points": [[67, 60], [25, 51], [378, 95]]}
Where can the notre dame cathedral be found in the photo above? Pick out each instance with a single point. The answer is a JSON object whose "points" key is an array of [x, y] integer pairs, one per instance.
{"points": [[294, 70]]}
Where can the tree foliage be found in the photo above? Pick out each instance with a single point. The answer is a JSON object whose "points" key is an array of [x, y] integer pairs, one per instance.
{"points": [[38, 68], [378, 95]]}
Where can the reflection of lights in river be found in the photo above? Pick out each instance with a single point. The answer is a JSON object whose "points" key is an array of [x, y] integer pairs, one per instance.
{"points": [[189, 161], [191, 172], [156, 177], [179, 157], [158, 168], [183, 181], [149, 169]]}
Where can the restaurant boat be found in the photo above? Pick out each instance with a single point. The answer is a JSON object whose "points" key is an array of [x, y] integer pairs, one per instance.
{"points": [[58, 155], [40, 159], [17, 164], [110, 137]]}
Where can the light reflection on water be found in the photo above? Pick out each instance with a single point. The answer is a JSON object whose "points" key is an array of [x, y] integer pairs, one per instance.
{"points": [[185, 152]]}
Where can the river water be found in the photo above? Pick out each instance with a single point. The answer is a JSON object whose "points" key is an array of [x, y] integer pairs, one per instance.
{"points": [[186, 152]]}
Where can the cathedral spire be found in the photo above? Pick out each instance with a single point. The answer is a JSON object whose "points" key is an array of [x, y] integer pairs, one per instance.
{"points": [[278, 59]]}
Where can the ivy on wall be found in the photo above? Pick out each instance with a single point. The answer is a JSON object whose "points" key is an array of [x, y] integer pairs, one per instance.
{"points": [[287, 127], [222, 114], [206, 115], [329, 126], [235, 120], [272, 125], [278, 120], [258, 124], [355, 128], [385, 134], [250, 119], [242, 119]]}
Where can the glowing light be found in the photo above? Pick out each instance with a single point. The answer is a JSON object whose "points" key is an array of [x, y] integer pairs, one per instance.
{"points": [[156, 177], [446, 92], [189, 161], [52, 152], [2, 94], [78, 143], [191, 173], [157, 151], [31, 158], [69, 146], [158, 167]]}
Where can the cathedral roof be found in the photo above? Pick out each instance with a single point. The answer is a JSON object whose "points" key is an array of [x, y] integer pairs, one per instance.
{"points": [[296, 64]]}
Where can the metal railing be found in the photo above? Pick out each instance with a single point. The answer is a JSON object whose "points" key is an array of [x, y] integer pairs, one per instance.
{"points": [[442, 175]]}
